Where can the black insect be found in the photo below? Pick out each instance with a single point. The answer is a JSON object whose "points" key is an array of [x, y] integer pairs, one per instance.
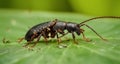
{"points": [[52, 28]]}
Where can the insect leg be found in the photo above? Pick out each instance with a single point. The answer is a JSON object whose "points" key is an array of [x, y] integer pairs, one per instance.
{"points": [[31, 39], [94, 31], [74, 38], [27, 44], [86, 39], [63, 34], [44, 37], [20, 39], [58, 39], [38, 38]]}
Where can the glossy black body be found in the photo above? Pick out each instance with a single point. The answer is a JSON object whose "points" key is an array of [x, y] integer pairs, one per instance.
{"points": [[69, 26], [55, 27], [37, 29]]}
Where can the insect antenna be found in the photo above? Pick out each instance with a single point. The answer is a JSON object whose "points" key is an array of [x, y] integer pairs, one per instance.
{"points": [[82, 23], [20, 39], [94, 31], [99, 18]]}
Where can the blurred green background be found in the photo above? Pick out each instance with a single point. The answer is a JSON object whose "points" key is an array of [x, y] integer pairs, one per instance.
{"points": [[87, 7], [16, 19]]}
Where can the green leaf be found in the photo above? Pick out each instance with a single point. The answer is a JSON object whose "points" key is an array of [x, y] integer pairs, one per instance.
{"points": [[14, 25]]}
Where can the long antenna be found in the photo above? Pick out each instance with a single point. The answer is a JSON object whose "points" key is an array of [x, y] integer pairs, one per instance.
{"points": [[99, 18], [94, 31]]}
